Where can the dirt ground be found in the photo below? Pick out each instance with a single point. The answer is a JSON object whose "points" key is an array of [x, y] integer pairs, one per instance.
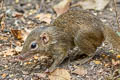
{"points": [[21, 15]]}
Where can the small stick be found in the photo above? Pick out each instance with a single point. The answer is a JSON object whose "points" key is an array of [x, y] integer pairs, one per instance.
{"points": [[41, 6], [1, 2], [116, 13]]}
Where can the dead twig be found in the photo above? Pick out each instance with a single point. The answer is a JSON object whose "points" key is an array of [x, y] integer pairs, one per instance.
{"points": [[116, 13], [1, 3], [41, 5]]}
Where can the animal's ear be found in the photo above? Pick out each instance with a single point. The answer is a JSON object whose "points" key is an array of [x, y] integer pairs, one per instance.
{"points": [[44, 37]]}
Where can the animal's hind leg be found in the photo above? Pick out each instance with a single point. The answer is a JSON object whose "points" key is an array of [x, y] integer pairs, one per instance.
{"points": [[87, 43], [83, 60]]}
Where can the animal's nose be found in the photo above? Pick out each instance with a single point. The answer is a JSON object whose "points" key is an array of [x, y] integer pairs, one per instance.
{"points": [[21, 57]]}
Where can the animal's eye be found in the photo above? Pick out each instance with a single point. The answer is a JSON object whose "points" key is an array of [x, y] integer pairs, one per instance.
{"points": [[33, 45]]}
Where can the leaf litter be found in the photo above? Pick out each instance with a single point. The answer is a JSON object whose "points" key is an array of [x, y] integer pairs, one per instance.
{"points": [[19, 21]]}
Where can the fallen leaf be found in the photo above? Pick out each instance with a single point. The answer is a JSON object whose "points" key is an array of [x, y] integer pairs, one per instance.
{"points": [[115, 62], [17, 33], [59, 74], [107, 65], [25, 33], [92, 4], [97, 62], [40, 75], [25, 72], [18, 43], [32, 12], [8, 52], [4, 75], [80, 71], [43, 57], [11, 75], [16, 79], [111, 51], [44, 17], [18, 15], [27, 63], [18, 49], [20, 34], [6, 66], [2, 23], [3, 37], [36, 57], [118, 56], [17, 1], [62, 7]]}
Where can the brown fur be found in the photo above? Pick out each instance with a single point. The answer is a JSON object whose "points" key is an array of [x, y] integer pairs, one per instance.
{"points": [[73, 28]]}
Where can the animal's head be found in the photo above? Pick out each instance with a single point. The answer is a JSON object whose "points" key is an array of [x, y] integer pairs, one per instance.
{"points": [[42, 40]]}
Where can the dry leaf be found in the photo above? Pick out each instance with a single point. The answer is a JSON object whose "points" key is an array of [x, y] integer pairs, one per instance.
{"points": [[32, 12], [11, 75], [18, 15], [20, 34], [97, 62], [25, 33], [40, 75], [17, 33], [17, 1], [44, 17], [27, 63], [18, 43], [80, 71], [8, 52], [62, 7], [3, 37], [6, 66], [25, 72], [92, 4], [2, 23], [115, 62], [18, 49], [118, 56], [36, 57], [4, 75], [59, 74], [107, 65]]}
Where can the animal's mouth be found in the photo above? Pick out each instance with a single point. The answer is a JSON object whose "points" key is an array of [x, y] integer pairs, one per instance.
{"points": [[26, 56]]}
